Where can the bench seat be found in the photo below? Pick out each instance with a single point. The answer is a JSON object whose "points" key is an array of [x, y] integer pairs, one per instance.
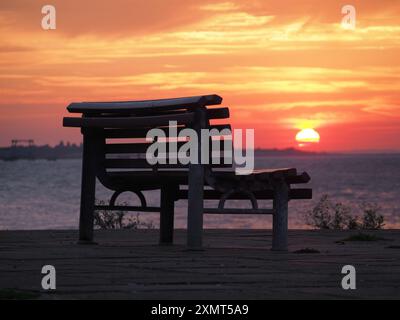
{"points": [[152, 180]]}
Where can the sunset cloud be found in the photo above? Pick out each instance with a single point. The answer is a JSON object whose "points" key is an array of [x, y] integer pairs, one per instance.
{"points": [[273, 62]]}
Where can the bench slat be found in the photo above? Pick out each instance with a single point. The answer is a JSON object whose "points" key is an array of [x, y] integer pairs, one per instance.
{"points": [[141, 133], [113, 148], [128, 122], [298, 194], [302, 178], [131, 106], [218, 113], [134, 147], [126, 148], [238, 211], [142, 163], [128, 208]]}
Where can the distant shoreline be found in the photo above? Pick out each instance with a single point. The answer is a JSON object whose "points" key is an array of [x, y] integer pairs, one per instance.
{"points": [[60, 151], [73, 151]]}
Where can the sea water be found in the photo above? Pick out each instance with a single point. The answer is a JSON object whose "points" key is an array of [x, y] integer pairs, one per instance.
{"points": [[43, 194]]}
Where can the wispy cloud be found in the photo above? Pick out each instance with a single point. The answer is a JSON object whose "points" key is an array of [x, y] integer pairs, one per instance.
{"points": [[276, 63]]}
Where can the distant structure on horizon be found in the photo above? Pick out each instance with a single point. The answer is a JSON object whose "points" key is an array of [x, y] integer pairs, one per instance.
{"points": [[15, 142], [26, 149]]}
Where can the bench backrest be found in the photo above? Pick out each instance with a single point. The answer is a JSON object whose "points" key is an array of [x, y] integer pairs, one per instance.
{"points": [[119, 129]]}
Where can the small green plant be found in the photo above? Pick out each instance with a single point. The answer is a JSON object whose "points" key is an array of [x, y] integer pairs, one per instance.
{"points": [[13, 294], [337, 216], [372, 219], [341, 216], [107, 219], [320, 216], [328, 215], [352, 223], [364, 237]]}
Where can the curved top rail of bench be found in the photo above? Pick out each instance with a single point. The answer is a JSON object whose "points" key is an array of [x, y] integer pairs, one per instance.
{"points": [[142, 105]]}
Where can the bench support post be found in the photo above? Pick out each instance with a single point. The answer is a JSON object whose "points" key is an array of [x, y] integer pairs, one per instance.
{"points": [[87, 189], [195, 207], [196, 188], [168, 196], [280, 217]]}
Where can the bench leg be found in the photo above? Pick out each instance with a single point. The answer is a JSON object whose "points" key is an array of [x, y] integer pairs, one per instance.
{"points": [[167, 215], [88, 187], [195, 207], [280, 217]]}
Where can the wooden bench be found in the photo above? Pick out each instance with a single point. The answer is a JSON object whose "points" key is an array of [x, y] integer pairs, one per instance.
{"points": [[122, 166]]}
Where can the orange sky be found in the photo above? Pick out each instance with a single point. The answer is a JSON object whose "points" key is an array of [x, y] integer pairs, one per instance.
{"points": [[280, 65]]}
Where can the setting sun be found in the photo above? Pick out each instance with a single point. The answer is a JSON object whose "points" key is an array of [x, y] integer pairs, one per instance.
{"points": [[307, 136]]}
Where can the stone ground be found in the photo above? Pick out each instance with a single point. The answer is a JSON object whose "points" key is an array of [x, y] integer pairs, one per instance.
{"points": [[236, 264]]}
